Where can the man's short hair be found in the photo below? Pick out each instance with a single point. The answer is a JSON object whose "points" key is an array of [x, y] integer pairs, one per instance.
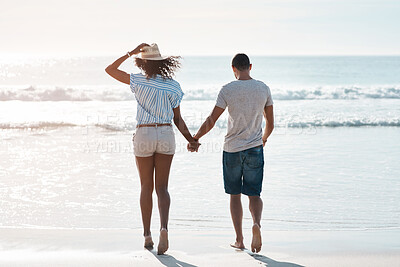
{"points": [[241, 62]]}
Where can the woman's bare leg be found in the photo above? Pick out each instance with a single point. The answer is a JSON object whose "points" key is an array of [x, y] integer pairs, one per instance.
{"points": [[145, 166], [162, 164]]}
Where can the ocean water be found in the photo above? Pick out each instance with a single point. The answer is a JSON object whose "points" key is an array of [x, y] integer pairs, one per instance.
{"points": [[66, 156]]}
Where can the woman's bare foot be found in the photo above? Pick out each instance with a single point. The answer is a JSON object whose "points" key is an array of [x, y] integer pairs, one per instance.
{"points": [[148, 241], [238, 245], [163, 243], [256, 241]]}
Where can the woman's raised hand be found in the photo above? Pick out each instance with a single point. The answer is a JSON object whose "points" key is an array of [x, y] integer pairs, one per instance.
{"points": [[138, 49]]}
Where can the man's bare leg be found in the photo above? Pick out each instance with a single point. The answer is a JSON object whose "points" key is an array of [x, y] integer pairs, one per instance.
{"points": [[237, 216], [256, 207]]}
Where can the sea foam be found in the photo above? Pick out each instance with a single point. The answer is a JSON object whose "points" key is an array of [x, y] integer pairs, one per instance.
{"points": [[222, 124], [119, 93]]}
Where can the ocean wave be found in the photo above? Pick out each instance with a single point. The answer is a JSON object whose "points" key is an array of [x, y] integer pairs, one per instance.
{"points": [[221, 125], [315, 93], [346, 123], [350, 92], [118, 93], [46, 93], [37, 125]]}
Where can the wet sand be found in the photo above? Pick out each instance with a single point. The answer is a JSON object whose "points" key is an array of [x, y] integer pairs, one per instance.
{"points": [[119, 247]]}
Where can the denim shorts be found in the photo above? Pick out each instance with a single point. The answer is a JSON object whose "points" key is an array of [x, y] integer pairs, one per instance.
{"points": [[244, 171]]}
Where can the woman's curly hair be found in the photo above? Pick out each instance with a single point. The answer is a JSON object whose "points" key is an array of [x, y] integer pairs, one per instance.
{"points": [[166, 67]]}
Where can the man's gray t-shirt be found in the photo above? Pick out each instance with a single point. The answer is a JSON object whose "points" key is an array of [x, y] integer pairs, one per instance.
{"points": [[245, 100]]}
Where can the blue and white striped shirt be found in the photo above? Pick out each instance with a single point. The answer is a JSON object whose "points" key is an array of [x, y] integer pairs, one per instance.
{"points": [[155, 98]]}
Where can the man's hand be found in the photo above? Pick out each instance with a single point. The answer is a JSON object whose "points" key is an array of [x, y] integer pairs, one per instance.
{"points": [[264, 141], [269, 122], [193, 146], [138, 49]]}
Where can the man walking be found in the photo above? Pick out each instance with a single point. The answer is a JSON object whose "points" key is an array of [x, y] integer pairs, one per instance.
{"points": [[247, 101]]}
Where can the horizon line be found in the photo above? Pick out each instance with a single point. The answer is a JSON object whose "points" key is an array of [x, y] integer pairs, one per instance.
{"points": [[38, 55]]}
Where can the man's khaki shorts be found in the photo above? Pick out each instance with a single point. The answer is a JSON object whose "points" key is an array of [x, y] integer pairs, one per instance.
{"points": [[150, 140]]}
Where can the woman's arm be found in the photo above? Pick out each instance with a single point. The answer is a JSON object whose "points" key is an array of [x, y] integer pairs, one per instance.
{"points": [[120, 75], [181, 125]]}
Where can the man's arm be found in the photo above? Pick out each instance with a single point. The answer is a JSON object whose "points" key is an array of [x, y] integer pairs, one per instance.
{"points": [[181, 125], [209, 122], [120, 75], [269, 122]]}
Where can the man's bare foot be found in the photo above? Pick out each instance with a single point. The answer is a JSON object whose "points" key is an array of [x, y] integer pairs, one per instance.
{"points": [[256, 241], [238, 245], [148, 241], [163, 243]]}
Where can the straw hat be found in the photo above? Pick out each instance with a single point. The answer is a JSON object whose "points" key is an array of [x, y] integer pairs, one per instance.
{"points": [[151, 53]]}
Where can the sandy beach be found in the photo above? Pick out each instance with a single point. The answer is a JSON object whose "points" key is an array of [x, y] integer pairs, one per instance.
{"points": [[84, 247]]}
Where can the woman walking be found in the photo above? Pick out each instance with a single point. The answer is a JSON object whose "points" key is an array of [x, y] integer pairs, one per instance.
{"points": [[158, 98]]}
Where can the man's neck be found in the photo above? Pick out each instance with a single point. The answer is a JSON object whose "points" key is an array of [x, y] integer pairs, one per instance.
{"points": [[243, 75]]}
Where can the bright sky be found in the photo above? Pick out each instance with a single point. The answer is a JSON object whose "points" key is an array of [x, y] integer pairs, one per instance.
{"points": [[206, 27]]}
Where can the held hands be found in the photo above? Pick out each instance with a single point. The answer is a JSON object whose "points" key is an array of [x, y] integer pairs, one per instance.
{"points": [[193, 146]]}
